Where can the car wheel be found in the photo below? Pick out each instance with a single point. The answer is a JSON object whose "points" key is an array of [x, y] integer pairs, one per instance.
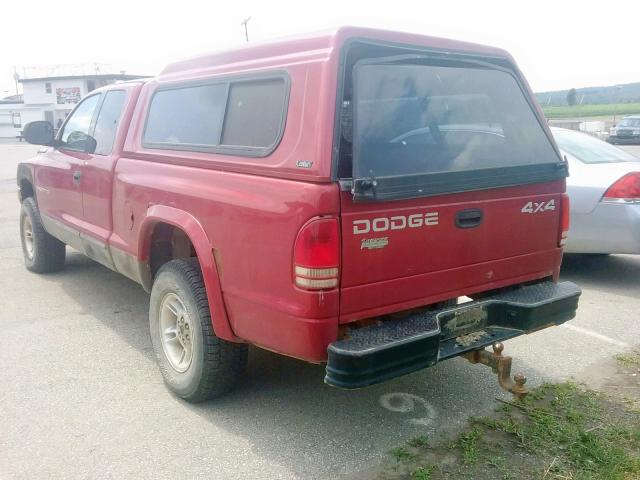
{"points": [[42, 253], [196, 365]]}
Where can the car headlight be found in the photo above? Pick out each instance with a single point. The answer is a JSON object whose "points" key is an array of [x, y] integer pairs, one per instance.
{"points": [[612, 131], [636, 131]]}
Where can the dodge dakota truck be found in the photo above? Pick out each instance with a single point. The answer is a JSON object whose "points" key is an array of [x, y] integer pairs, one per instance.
{"points": [[376, 201]]}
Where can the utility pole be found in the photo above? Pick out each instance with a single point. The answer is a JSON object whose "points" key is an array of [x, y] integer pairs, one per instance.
{"points": [[246, 30], [16, 77]]}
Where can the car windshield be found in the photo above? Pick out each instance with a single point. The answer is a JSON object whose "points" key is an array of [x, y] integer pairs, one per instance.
{"points": [[629, 122], [589, 149], [420, 119]]}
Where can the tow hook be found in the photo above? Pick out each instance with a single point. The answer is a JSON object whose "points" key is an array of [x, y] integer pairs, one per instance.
{"points": [[501, 365]]}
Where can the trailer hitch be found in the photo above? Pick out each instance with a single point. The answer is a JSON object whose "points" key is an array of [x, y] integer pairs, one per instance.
{"points": [[501, 365]]}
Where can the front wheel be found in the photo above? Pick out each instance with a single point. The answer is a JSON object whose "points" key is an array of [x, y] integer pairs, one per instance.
{"points": [[196, 365], [42, 252]]}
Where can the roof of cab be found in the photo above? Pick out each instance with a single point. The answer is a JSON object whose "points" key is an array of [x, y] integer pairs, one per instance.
{"points": [[313, 44]]}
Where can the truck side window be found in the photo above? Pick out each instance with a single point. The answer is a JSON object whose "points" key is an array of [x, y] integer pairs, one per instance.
{"points": [[246, 116], [186, 116], [108, 119], [254, 113], [76, 131]]}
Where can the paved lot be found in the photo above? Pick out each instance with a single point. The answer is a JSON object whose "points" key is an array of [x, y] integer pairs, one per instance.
{"points": [[81, 397]]}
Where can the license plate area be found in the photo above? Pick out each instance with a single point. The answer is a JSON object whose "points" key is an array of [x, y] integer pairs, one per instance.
{"points": [[461, 322]]}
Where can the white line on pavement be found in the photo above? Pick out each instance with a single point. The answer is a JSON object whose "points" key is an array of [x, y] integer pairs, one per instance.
{"points": [[599, 336]]}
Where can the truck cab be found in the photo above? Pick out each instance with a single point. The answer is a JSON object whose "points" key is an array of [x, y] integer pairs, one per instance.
{"points": [[330, 197]]}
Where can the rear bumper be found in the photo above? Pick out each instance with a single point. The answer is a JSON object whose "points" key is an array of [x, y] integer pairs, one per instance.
{"points": [[630, 139], [377, 353]]}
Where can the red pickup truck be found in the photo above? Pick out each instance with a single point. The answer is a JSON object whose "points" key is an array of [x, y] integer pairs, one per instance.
{"points": [[329, 197]]}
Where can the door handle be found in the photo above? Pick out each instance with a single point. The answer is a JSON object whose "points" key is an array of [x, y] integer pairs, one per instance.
{"points": [[469, 218], [77, 176]]}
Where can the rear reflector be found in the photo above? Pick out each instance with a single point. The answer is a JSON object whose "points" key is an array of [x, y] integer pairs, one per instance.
{"points": [[565, 215], [316, 259], [625, 190]]}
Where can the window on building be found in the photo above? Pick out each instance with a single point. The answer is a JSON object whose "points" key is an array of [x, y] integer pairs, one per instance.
{"points": [[254, 113], [193, 118], [91, 85], [47, 87], [76, 130], [108, 120], [17, 120]]}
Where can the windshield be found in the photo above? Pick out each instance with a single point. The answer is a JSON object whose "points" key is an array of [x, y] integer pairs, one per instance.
{"points": [[629, 122], [589, 149], [416, 119]]}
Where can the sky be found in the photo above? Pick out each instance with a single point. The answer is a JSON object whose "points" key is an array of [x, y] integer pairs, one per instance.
{"points": [[558, 44]]}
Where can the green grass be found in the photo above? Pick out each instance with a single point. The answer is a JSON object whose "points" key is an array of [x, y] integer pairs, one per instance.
{"points": [[560, 431], [421, 441], [630, 360], [402, 454], [423, 473], [577, 111], [467, 443]]}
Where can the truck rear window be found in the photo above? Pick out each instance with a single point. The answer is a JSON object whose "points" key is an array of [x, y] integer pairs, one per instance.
{"points": [[419, 119]]}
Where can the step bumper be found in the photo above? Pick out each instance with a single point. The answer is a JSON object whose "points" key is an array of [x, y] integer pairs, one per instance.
{"points": [[377, 353]]}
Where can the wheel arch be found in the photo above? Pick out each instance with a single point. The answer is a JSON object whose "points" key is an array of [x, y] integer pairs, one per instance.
{"points": [[165, 215], [24, 179]]}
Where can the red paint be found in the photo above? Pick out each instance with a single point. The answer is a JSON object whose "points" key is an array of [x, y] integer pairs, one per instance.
{"points": [[251, 210]]}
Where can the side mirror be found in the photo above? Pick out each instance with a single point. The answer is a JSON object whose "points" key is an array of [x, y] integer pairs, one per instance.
{"points": [[39, 133], [90, 145]]}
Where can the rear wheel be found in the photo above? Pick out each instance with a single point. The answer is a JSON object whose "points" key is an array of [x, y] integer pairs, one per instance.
{"points": [[42, 252], [196, 365]]}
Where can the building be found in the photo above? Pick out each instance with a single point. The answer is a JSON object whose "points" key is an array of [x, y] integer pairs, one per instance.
{"points": [[11, 109], [50, 93]]}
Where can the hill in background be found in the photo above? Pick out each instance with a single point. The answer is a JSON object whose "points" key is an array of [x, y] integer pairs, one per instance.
{"points": [[628, 93]]}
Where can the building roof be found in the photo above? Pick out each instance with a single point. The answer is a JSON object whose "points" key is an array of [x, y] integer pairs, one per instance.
{"points": [[105, 76], [319, 43], [12, 99]]}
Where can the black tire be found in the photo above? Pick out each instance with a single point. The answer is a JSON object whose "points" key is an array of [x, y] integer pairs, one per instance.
{"points": [[42, 252], [216, 365]]}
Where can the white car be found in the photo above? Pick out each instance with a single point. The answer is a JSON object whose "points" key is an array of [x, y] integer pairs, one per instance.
{"points": [[604, 193]]}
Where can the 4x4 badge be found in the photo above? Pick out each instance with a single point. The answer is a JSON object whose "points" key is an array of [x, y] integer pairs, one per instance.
{"points": [[538, 207]]}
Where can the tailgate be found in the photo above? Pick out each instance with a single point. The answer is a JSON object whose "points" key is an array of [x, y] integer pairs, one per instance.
{"points": [[436, 248]]}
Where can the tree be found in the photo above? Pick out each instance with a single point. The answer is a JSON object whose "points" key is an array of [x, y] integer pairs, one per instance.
{"points": [[572, 96]]}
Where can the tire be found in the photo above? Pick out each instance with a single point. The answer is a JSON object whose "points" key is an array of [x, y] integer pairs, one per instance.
{"points": [[42, 252], [195, 364]]}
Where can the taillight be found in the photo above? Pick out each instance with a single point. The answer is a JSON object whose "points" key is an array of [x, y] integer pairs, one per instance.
{"points": [[564, 219], [625, 190], [316, 255]]}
